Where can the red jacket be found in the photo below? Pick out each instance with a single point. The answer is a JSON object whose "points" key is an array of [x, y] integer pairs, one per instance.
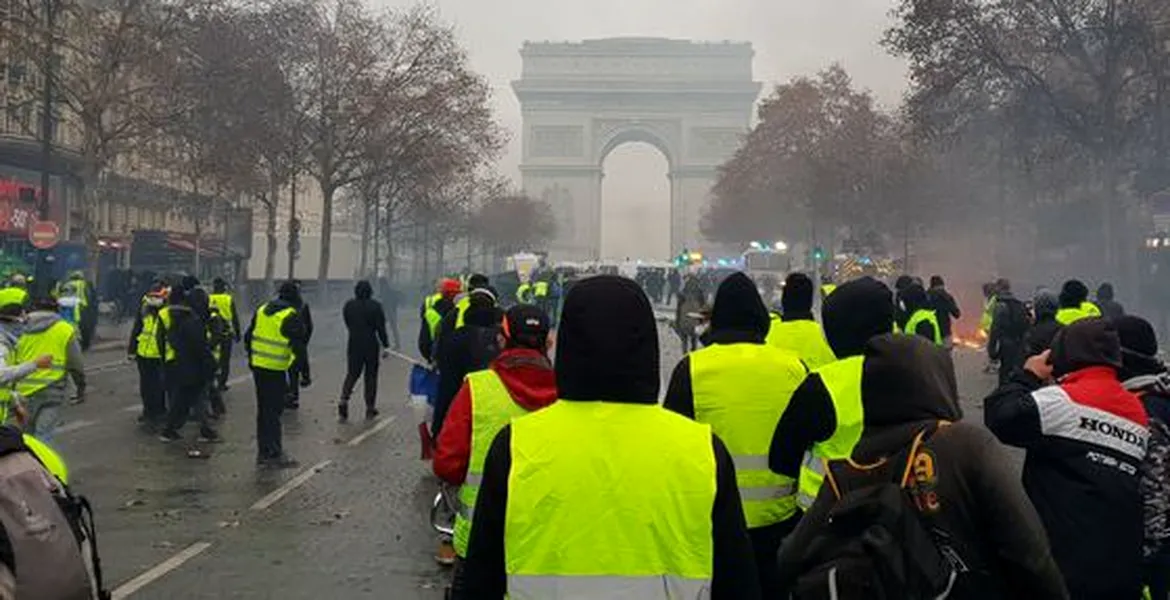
{"points": [[530, 380]]}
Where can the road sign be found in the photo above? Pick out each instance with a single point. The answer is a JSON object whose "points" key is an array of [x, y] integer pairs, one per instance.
{"points": [[44, 234]]}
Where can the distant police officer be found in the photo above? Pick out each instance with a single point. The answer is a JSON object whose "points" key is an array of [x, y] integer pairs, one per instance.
{"points": [[147, 352], [740, 386], [276, 344], [221, 300]]}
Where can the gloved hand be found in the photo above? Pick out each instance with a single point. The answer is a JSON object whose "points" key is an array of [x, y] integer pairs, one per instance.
{"points": [[306, 381], [385, 353]]}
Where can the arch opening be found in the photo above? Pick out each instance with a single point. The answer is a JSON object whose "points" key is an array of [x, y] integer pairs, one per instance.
{"points": [[635, 199]]}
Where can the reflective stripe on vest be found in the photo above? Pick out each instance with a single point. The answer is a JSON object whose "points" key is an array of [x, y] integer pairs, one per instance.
{"points": [[147, 346], [924, 316], [988, 314], [492, 408], [461, 310], [224, 304], [741, 391], [523, 292], [804, 338], [585, 474], [540, 289], [270, 349], [53, 341], [843, 381]]}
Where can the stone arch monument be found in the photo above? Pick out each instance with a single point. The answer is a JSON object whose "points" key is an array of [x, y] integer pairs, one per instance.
{"points": [[692, 101]]}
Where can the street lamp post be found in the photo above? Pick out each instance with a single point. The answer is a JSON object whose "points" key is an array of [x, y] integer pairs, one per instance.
{"points": [[49, 67]]}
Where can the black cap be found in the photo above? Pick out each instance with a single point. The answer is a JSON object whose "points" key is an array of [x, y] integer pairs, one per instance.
{"points": [[527, 326]]}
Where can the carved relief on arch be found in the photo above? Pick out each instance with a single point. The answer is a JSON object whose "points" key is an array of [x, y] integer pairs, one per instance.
{"points": [[664, 134], [560, 200]]}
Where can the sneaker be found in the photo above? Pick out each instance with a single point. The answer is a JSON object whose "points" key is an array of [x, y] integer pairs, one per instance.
{"points": [[371, 413], [209, 436], [282, 461], [446, 554], [343, 412], [168, 436], [290, 405]]}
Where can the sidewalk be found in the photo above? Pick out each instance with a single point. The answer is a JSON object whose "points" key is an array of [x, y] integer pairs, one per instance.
{"points": [[108, 336]]}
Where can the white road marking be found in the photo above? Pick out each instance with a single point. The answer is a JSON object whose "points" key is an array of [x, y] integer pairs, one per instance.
{"points": [[75, 425], [292, 484], [365, 435], [132, 408], [160, 570]]}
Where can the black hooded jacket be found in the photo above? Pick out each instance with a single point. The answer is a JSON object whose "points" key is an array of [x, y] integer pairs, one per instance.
{"points": [[462, 351], [193, 365], [852, 314], [1085, 439], [982, 509], [738, 317], [365, 321], [293, 328], [607, 351]]}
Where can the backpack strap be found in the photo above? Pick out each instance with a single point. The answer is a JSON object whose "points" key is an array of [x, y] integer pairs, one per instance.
{"points": [[845, 475]]}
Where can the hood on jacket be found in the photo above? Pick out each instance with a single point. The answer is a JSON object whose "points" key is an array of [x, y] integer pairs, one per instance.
{"points": [[1073, 293], [797, 299], [607, 343], [738, 307], [1139, 347], [363, 290], [290, 292], [40, 320], [854, 313], [1105, 291], [914, 298], [907, 383], [1085, 343], [277, 305], [1045, 304], [528, 375]]}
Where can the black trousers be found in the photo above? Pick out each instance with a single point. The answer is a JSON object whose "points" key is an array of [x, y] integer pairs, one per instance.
{"points": [[271, 393], [225, 363], [358, 363], [188, 400], [766, 542], [151, 388]]}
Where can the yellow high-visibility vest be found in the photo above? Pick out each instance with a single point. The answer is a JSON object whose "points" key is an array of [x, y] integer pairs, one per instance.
{"points": [[843, 381], [492, 408], [53, 341], [802, 337], [741, 391], [587, 474], [923, 315], [164, 317], [270, 348], [225, 305]]}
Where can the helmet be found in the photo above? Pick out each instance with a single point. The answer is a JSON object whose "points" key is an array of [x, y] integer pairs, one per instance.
{"points": [[450, 287]]}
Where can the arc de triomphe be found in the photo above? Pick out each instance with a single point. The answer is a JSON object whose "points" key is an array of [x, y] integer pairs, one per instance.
{"points": [[579, 101]]}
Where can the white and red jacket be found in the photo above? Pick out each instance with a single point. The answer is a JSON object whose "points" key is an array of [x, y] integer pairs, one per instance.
{"points": [[1085, 439]]}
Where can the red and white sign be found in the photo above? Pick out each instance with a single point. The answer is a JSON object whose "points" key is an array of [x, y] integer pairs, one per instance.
{"points": [[44, 234]]}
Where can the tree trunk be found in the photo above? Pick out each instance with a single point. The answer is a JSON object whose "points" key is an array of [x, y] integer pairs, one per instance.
{"points": [[270, 238], [364, 260], [91, 179], [327, 192], [440, 256], [426, 248]]}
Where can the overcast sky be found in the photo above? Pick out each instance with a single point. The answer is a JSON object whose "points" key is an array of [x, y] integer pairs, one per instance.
{"points": [[791, 37]]}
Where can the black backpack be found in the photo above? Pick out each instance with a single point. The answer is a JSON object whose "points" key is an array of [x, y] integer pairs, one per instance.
{"points": [[875, 544]]}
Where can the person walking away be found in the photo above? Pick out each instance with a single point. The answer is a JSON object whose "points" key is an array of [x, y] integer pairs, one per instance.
{"points": [[275, 341], [468, 349], [44, 391], [606, 463], [1009, 328], [673, 284], [518, 381], [144, 349], [434, 308], [295, 377], [1044, 324], [691, 302], [1074, 303], [740, 386], [221, 299], [540, 293], [965, 488], [12, 320], [902, 313], [84, 305], [945, 308], [1145, 375], [219, 335], [922, 320], [456, 318], [824, 419], [1110, 308], [366, 324], [1085, 437], [187, 376], [796, 330]]}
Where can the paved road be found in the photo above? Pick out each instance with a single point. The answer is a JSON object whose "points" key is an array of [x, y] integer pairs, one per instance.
{"points": [[350, 523]]}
